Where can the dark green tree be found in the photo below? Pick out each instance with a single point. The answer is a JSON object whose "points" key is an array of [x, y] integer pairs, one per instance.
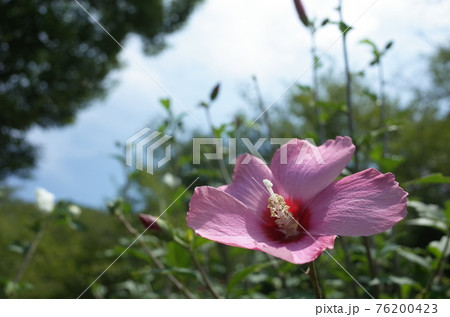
{"points": [[440, 75], [426, 135], [54, 59]]}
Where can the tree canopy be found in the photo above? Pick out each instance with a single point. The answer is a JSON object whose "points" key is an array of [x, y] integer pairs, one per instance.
{"points": [[54, 59]]}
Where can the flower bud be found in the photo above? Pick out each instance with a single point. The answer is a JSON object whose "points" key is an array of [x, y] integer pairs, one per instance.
{"points": [[150, 222], [159, 227], [301, 12]]}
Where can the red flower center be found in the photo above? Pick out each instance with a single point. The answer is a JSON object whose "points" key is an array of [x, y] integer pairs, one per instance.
{"points": [[298, 212]]}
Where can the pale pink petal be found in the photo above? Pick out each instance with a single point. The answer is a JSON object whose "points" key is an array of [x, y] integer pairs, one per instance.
{"points": [[305, 250], [218, 216], [308, 169], [248, 186], [362, 204]]}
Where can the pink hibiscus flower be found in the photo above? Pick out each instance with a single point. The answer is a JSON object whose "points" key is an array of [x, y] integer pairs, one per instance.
{"points": [[294, 209]]}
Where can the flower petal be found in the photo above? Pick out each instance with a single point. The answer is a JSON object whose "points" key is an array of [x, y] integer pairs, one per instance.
{"points": [[305, 250], [362, 204], [218, 216], [307, 169], [248, 186]]}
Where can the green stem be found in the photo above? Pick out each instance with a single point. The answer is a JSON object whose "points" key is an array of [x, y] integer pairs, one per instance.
{"points": [[315, 84], [438, 272], [155, 260], [441, 266], [348, 263], [367, 241], [348, 86], [383, 109], [223, 169], [223, 249], [262, 107], [312, 273], [205, 277], [30, 253], [202, 271]]}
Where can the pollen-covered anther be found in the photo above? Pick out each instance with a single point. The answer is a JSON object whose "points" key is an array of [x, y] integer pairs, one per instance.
{"points": [[280, 210]]}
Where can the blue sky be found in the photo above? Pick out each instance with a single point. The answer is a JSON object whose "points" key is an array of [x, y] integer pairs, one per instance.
{"points": [[226, 41]]}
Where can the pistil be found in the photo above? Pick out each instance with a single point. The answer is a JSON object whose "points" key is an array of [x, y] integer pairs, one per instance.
{"points": [[280, 210]]}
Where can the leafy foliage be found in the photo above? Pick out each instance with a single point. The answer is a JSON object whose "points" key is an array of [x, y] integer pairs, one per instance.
{"points": [[54, 60]]}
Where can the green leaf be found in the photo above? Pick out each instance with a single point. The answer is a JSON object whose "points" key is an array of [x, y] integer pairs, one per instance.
{"points": [[428, 211], [437, 247], [369, 42], [76, 225], [324, 116], [311, 135], [447, 209], [199, 241], [373, 97], [138, 254], [163, 127], [405, 283], [178, 271], [429, 216], [218, 131], [387, 163], [325, 22], [214, 92], [241, 275], [388, 45], [331, 105], [412, 257], [17, 247], [436, 178], [391, 163], [388, 249], [447, 213], [374, 61], [36, 226], [177, 255], [204, 104], [344, 27], [165, 102], [405, 290], [402, 280], [11, 288], [375, 51], [304, 88], [99, 290], [426, 222]]}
